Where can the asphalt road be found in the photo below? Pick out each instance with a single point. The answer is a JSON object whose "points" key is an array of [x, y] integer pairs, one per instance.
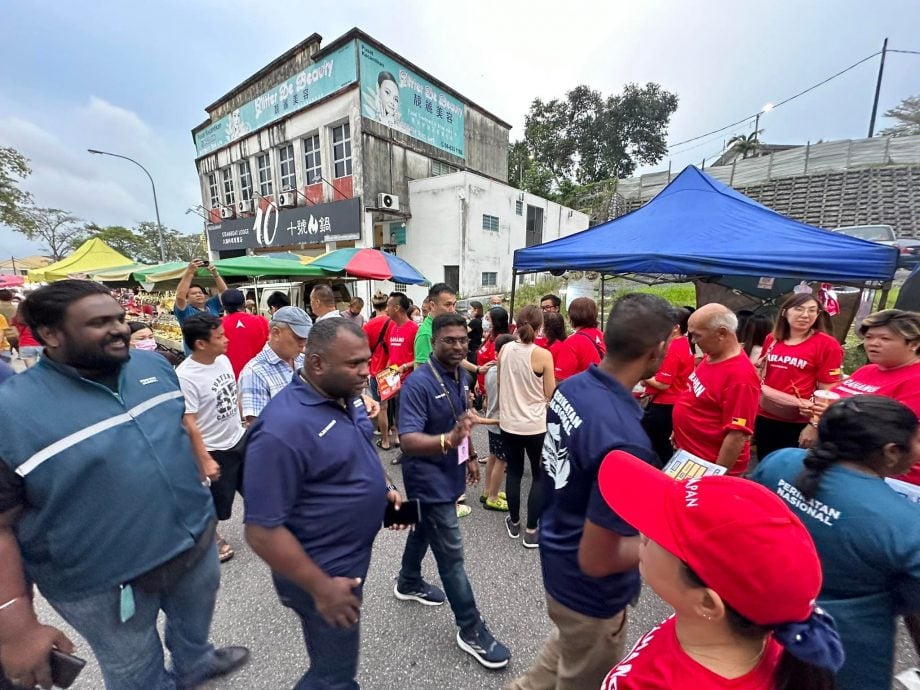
{"points": [[404, 645]]}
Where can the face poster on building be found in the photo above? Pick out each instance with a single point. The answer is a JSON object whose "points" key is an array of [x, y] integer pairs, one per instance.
{"points": [[271, 226], [398, 98], [318, 80]]}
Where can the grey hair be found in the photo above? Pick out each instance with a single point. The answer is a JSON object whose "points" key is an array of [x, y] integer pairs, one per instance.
{"points": [[726, 320]]}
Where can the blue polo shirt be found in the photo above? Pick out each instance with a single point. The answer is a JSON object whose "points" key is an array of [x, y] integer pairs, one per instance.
{"points": [[311, 467], [423, 407], [589, 415], [212, 306]]}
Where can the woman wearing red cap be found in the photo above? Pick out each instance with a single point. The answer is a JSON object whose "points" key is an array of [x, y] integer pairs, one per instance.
{"points": [[720, 551], [866, 534]]}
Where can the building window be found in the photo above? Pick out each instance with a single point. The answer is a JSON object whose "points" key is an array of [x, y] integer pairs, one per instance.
{"points": [[286, 163], [534, 233], [245, 181], [401, 287], [264, 165], [490, 222], [440, 168], [489, 279], [312, 161], [519, 208], [341, 150], [227, 178], [214, 190]]}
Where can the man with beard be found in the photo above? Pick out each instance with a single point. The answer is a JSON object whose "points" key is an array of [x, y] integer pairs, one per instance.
{"points": [[102, 504], [315, 498], [589, 555]]}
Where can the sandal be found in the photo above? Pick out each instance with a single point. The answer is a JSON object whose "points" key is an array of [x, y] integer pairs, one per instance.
{"points": [[499, 504], [397, 460], [463, 510], [380, 445], [224, 551]]}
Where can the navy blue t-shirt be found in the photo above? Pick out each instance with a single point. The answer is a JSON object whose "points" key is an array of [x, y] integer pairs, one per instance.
{"points": [[589, 415], [424, 407], [868, 540], [311, 466]]}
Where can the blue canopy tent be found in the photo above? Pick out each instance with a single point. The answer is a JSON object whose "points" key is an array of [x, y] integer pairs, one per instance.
{"points": [[699, 227]]}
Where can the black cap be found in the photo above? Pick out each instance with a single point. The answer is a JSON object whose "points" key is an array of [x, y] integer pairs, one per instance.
{"points": [[232, 298]]}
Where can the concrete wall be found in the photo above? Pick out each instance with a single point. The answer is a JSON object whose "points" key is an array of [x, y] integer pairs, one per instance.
{"points": [[486, 145], [446, 228]]}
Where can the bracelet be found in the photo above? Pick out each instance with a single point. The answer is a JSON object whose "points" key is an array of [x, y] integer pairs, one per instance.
{"points": [[391, 487], [814, 425], [443, 449], [10, 603]]}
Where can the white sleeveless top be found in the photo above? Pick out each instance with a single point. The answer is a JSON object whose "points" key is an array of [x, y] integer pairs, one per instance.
{"points": [[520, 393]]}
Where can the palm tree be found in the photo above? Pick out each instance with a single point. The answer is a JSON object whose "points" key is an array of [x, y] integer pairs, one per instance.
{"points": [[745, 144]]}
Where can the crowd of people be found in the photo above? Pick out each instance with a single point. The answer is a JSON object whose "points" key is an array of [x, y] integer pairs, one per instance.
{"points": [[787, 566]]}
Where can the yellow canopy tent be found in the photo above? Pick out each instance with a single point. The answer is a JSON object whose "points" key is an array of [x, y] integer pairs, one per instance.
{"points": [[92, 255]]}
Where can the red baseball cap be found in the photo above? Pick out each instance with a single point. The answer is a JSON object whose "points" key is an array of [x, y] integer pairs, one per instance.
{"points": [[741, 539]]}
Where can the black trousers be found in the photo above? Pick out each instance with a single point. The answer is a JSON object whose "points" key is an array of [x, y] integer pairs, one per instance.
{"points": [[771, 435], [230, 483], [658, 425], [516, 446]]}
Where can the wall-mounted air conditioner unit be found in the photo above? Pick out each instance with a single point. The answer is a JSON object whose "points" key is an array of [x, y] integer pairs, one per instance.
{"points": [[388, 201]]}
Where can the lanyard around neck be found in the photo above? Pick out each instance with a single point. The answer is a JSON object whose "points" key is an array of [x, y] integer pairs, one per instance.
{"points": [[437, 375]]}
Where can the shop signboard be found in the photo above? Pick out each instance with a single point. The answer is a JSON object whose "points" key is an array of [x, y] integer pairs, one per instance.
{"points": [[397, 97], [311, 84], [277, 227]]}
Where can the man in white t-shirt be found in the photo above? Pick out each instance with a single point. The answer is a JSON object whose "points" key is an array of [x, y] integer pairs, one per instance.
{"points": [[212, 413]]}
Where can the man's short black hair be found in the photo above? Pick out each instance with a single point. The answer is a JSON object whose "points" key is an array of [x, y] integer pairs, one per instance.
{"points": [[552, 298], [324, 334], [199, 286], [638, 322], [199, 327], [6, 295], [323, 294], [277, 299], [439, 289], [47, 306], [403, 301], [446, 321]]}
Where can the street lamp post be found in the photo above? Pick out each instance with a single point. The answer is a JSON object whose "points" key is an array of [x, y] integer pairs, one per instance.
{"points": [[156, 206]]}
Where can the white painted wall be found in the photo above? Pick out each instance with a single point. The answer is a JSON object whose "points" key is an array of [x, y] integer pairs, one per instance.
{"points": [[446, 228]]}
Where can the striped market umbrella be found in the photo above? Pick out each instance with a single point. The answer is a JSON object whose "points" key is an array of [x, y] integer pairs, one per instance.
{"points": [[369, 264]]}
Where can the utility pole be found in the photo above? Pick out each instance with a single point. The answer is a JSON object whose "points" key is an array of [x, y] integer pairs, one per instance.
{"points": [[878, 89]]}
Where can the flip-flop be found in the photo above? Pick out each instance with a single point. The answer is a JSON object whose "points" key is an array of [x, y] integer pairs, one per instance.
{"points": [[499, 505], [380, 445], [224, 551]]}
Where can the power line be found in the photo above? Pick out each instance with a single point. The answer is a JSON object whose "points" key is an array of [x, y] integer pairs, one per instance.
{"points": [[906, 52], [783, 102]]}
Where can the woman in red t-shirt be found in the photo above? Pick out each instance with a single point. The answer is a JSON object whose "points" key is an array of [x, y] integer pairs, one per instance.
{"points": [[704, 541], [30, 349], [891, 339], [554, 331], [494, 324], [586, 345], [666, 386], [798, 358]]}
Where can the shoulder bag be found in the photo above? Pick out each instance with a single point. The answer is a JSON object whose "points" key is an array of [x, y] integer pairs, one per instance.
{"points": [[774, 402]]}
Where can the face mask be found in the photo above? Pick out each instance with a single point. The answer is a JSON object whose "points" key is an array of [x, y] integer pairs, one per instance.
{"points": [[417, 318], [486, 326], [149, 345]]}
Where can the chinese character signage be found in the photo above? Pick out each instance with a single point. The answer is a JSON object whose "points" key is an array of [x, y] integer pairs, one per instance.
{"points": [[279, 227], [306, 87], [398, 98]]}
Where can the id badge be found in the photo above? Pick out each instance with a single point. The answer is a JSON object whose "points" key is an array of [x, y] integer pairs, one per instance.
{"points": [[463, 451]]}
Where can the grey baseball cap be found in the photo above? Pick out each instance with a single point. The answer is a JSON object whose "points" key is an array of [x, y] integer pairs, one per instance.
{"points": [[296, 318]]}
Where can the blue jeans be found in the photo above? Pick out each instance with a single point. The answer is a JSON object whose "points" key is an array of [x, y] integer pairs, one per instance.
{"points": [[333, 651], [130, 654], [439, 529]]}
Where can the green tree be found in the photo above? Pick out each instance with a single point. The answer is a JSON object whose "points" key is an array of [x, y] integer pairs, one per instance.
{"points": [[119, 238], [907, 114], [142, 243], [54, 228], [586, 137], [745, 144], [14, 168]]}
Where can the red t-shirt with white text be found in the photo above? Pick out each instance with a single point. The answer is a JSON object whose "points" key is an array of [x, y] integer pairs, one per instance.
{"points": [[579, 351], [484, 355], [658, 662], [902, 384], [379, 354], [798, 369], [401, 340], [675, 371], [719, 398], [246, 336]]}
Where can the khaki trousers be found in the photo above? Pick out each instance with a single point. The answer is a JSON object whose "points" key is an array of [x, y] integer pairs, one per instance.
{"points": [[579, 654]]}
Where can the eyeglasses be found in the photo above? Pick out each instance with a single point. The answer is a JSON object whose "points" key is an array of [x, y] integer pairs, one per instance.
{"points": [[450, 342]]}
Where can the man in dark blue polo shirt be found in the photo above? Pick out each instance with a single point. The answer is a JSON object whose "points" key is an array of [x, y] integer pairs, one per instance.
{"points": [[589, 555], [315, 497], [434, 430]]}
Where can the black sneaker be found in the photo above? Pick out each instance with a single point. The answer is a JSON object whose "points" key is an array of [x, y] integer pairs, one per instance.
{"points": [[531, 540], [426, 594], [482, 646], [226, 660], [514, 528]]}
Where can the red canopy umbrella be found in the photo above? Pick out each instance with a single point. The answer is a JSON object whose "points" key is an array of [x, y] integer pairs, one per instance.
{"points": [[11, 281]]}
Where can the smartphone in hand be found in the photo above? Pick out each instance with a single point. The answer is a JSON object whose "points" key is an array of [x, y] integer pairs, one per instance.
{"points": [[408, 513], [65, 668]]}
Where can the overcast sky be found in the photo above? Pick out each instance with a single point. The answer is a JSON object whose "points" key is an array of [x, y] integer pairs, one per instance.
{"points": [[134, 77]]}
